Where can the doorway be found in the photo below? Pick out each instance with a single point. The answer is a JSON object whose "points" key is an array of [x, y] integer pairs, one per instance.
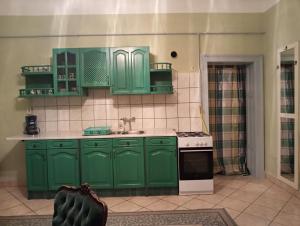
{"points": [[254, 105]]}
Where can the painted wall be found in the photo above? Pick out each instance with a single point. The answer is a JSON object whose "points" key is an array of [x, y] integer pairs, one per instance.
{"points": [[17, 51], [282, 27]]}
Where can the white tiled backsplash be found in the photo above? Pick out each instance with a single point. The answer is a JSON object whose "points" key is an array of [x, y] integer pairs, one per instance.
{"points": [[180, 110]]}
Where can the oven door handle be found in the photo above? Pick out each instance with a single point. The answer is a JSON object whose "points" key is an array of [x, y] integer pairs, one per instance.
{"points": [[193, 150]]}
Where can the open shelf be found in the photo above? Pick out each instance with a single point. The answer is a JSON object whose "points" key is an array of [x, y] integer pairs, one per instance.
{"points": [[36, 70], [161, 78]]}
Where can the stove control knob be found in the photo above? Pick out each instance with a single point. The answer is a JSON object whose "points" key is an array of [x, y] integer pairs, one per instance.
{"points": [[205, 143], [197, 144], [202, 143], [187, 144]]}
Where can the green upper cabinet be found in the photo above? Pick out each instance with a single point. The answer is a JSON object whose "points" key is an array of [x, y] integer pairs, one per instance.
{"points": [[94, 67], [129, 167], [66, 72], [63, 167], [36, 166], [130, 70]]}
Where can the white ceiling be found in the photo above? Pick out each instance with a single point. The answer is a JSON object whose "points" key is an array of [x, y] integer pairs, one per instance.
{"points": [[80, 7]]}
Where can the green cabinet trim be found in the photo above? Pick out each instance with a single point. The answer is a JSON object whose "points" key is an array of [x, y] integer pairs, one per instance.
{"points": [[94, 67]]}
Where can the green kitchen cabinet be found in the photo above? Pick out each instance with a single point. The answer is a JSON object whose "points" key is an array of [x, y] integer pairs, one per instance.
{"points": [[36, 169], [96, 163], [63, 167], [66, 72], [130, 70], [94, 67], [129, 167], [161, 162]]}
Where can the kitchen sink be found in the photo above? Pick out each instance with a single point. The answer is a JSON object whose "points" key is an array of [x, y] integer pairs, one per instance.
{"points": [[130, 132]]}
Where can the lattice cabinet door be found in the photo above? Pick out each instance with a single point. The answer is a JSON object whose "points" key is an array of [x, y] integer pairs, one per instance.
{"points": [[94, 64]]}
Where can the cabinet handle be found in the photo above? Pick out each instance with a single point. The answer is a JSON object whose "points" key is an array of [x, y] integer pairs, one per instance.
{"points": [[34, 146], [96, 144], [161, 142], [60, 145], [127, 143]]}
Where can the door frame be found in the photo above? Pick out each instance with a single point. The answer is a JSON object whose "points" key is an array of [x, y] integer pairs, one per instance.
{"points": [[255, 105]]}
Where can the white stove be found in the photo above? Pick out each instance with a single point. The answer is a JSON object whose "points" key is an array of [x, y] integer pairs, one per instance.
{"points": [[195, 161]]}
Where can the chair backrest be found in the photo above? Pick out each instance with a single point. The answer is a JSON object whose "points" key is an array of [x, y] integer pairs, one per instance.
{"points": [[78, 207]]}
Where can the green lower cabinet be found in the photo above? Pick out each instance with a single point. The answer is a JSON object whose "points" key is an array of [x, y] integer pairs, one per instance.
{"points": [[96, 167], [161, 166], [36, 166], [129, 167], [63, 167]]}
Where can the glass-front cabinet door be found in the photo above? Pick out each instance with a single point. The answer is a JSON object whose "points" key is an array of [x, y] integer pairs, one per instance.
{"points": [[66, 72], [288, 115]]}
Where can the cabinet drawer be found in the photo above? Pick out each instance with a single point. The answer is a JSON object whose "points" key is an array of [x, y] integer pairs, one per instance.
{"points": [[95, 143], [160, 141], [128, 142], [41, 144], [62, 144]]}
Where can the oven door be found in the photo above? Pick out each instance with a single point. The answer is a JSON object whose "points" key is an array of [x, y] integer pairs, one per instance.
{"points": [[195, 163]]}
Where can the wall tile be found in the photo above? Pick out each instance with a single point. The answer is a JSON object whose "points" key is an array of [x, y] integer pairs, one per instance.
{"points": [[183, 110], [159, 111], [196, 124], [99, 96], [160, 123], [184, 124], [195, 95], [136, 111], [63, 113], [148, 111], [87, 123], [194, 110], [88, 100], [100, 111], [135, 99], [40, 113], [123, 99], [51, 113], [172, 98], [100, 122], [42, 126], [195, 79], [183, 80], [124, 111], [183, 95], [171, 110], [148, 123], [37, 102], [50, 101], [172, 123], [75, 101], [87, 112], [175, 79], [63, 125], [75, 112], [62, 101], [137, 124], [114, 124], [51, 126], [147, 99], [75, 126], [111, 99], [159, 99], [112, 112]]}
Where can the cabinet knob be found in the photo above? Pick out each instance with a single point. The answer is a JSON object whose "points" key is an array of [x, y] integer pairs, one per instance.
{"points": [[60, 145], [161, 142], [127, 142], [96, 144], [34, 146]]}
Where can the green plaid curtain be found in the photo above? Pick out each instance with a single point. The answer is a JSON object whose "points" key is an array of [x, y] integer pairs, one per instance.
{"points": [[227, 118], [287, 92]]}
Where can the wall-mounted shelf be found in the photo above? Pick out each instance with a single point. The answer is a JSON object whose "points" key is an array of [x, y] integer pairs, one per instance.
{"points": [[161, 78]]}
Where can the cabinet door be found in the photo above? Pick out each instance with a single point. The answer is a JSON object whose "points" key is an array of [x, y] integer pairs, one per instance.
{"points": [[120, 71], [96, 167], [36, 167], [140, 72], [66, 72], [129, 167], [63, 167], [161, 166], [94, 64]]}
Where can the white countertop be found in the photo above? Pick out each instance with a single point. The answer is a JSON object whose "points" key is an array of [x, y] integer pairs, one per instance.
{"points": [[78, 135]]}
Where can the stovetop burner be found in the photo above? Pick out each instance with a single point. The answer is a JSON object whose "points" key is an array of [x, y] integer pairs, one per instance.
{"points": [[192, 134]]}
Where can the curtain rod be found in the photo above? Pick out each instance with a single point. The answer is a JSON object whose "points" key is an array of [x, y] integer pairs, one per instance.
{"points": [[129, 34]]}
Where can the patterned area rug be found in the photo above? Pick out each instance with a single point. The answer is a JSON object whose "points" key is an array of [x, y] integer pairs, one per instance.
{"points": [[204, 217]]}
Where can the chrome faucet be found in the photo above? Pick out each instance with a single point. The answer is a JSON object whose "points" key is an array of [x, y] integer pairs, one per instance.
{"points": [[129, 120]]}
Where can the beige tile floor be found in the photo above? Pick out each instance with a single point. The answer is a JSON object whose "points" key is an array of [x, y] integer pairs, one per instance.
{"points": [[248, 200]]}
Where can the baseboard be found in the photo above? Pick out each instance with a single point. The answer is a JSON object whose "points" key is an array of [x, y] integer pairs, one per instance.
{"points": [[281, 184]]}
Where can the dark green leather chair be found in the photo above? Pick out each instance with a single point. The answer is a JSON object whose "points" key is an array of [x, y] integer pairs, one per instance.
{"points": [[78, 207]]}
